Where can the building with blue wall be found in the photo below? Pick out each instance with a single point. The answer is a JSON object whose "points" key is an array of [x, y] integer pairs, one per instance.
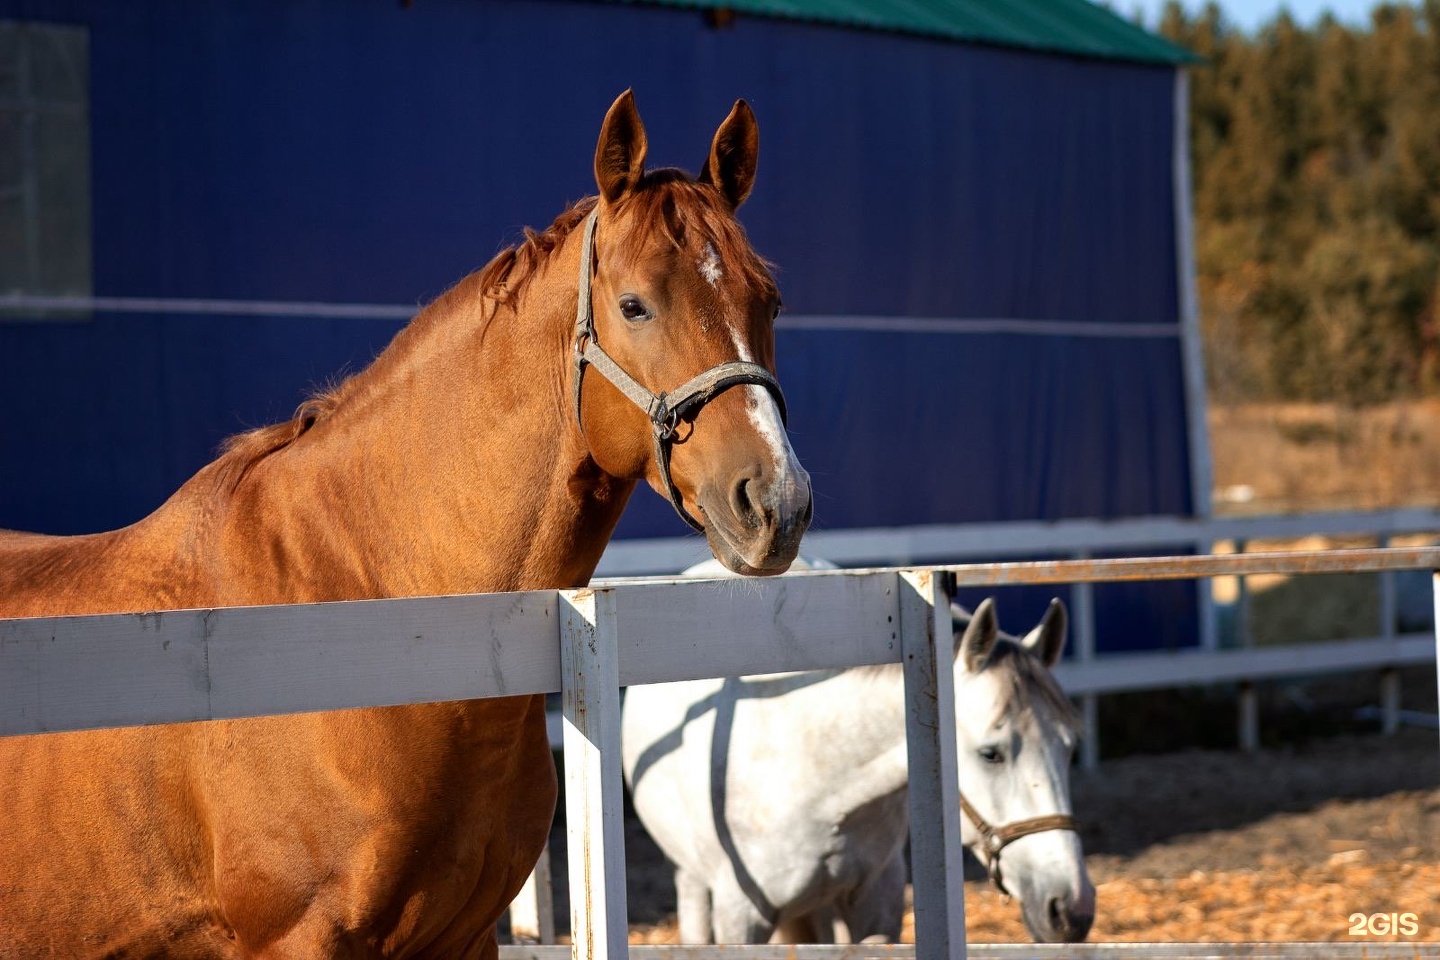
{"points": [[978, 213]]}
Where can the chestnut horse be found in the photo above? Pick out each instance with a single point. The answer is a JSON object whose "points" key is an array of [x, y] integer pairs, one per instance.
{"points": [[457, 462]]}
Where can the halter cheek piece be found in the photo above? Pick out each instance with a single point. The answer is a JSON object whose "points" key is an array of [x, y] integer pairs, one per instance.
{"points": [[665, 410], [994, 839]]}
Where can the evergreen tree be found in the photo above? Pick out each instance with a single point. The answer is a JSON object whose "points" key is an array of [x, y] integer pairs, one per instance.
{"points": [[1316, 159]]}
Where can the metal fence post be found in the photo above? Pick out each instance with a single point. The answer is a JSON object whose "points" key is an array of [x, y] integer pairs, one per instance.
{"points": [[1247, 700], [1390, 701], [1389, 677], [936, 858], [1082, 606], [590, 678], [1435, 586], [1249, 717]]}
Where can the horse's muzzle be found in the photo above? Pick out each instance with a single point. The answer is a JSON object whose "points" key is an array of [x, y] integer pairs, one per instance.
{"points": [[1062, 919], [755, 525]]}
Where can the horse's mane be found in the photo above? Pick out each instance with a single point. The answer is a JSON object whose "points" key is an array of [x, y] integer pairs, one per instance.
{"points": [[689, 213], [504, 278]]}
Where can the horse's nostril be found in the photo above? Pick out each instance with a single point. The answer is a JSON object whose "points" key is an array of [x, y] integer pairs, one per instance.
{"points": [[740, 500], [1071, 924]]}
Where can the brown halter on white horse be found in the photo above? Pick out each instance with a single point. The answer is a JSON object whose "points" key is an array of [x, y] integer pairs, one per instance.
{"points": [[994, 839]]}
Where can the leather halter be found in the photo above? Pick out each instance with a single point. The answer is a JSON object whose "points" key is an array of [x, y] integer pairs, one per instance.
{"points": [[994, 839], [666, 410]]}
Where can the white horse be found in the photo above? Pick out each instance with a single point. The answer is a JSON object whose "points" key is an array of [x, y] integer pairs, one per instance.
{"points": [[781, 799]]}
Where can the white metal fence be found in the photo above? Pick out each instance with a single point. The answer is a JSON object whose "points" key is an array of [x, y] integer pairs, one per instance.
{"points": [[1089, 674], [70, 673]]}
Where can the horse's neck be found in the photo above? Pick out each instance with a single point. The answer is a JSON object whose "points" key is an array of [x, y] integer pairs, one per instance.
{"points": [[451, 465]]}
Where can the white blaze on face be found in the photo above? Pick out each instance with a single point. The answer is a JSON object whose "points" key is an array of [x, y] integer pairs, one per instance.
{"points": [[765, 417], [710, 265]]}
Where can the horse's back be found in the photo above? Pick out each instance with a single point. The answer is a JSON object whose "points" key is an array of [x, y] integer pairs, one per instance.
{"points": [[152, 564]]}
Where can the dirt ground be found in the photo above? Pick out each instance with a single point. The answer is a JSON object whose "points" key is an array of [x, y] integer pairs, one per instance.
{"points": [[1279, 845]]}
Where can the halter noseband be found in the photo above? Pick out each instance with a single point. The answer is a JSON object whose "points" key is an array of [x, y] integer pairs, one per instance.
{"points": [[994, 839], [666, 410]]}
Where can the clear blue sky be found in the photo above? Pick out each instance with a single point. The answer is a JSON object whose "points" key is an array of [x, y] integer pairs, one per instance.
{"points": [[1249, 14]]}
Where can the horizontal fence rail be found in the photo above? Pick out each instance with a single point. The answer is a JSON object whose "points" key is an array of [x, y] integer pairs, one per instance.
{"points": [[113, 670], [1124, 672], [920, 545], [1126, 569], [110, 670]]}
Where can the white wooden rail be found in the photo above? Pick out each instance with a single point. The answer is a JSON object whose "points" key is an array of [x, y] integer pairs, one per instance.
{"points": [[1114, 673], [70, 673]]}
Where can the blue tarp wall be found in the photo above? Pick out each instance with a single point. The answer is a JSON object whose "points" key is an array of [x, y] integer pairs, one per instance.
{"points": [[370, 153]]}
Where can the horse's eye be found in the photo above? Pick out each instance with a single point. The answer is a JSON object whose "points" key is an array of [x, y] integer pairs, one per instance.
{"points": [[775, 311], [632, 309], [991, 754]]}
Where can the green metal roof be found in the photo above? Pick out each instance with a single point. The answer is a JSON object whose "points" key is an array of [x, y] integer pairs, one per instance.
{"points": [[1065, 26]]}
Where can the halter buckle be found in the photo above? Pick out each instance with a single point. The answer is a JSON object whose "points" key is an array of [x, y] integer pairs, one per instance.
{"points": [[664, 418]]}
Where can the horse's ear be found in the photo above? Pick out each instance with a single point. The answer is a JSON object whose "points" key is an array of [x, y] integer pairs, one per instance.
{"points": [[620, 154], [974, 646], [733, 155], [1047, 641]]}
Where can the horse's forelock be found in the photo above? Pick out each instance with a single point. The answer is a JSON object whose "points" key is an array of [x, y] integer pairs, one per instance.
{"points": [[692, 215], [1030, 684]]}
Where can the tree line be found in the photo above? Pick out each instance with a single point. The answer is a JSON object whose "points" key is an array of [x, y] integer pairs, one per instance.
{"points": [[1316, 164]]}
